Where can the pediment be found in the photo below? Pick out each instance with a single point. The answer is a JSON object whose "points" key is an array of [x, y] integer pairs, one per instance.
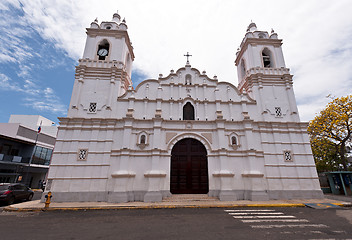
{"points": [[184, 83]]}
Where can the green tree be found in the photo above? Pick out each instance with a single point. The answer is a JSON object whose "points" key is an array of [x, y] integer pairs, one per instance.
{"points": [[331, 133]]}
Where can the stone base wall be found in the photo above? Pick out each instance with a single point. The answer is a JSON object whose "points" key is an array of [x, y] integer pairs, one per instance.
{"points": [[113, 197], [157, 196]]}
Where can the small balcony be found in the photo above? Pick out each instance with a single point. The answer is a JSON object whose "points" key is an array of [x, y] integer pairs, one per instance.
{"points": [[267, 71], [101, 63], [14, 159]]}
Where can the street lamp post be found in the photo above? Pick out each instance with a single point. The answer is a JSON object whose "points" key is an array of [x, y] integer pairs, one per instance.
{"points": [[34, 149]]}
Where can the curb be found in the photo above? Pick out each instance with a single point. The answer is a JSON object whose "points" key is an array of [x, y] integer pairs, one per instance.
{"points": [[14, 209]]}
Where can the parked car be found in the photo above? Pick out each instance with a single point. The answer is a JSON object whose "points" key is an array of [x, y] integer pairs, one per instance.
{"points": [[11, 192]]}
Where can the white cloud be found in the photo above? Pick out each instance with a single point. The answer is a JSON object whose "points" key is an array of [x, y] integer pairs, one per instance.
{"points": [[21, 47], [34, 96], [316, 36], [47, 101], [7, 84]]}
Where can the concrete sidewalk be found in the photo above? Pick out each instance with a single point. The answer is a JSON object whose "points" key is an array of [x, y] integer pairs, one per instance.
{"points": [[176, 201]]}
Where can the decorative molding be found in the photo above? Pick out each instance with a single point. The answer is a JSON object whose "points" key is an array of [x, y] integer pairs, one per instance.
{"points": [[80, 165], [188, 125], [219, 114], [208, 136], [84, 140], [223, 173], [169, 136], [253, 175], [129, 113], [158, 113], [75, 152], [284, 165], [142, 145], [123, 174], [292, 178], [196, 136], [155, 174], [77, 178]]}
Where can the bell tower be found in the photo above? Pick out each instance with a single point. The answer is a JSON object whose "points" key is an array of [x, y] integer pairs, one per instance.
{"points": [[262, 73], [104, 72]]}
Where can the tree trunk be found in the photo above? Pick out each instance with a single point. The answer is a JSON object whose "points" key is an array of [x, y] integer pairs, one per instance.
{"points": [[342, 153]]}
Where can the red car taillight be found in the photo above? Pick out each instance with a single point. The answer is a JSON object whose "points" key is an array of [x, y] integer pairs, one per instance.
{"points": [[7, 192]]}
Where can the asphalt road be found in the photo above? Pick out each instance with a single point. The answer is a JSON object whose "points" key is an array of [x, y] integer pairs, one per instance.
{"points": [[213, 223]]}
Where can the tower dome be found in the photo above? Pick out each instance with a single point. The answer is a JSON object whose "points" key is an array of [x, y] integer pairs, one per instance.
{"points": [[252, 27], [116, 17]]}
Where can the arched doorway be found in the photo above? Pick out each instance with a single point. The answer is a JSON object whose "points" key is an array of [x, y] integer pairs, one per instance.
{"points": [[189, 168]]}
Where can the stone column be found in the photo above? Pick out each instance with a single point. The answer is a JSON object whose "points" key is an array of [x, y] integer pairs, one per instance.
{"points": [[155, 176]]}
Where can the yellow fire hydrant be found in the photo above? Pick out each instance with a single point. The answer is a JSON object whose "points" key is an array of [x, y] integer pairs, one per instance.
{"points": [[48, 199]]}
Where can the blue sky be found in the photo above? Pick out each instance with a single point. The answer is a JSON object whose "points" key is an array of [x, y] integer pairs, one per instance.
{"points": [[42, 40], [37, 76]]}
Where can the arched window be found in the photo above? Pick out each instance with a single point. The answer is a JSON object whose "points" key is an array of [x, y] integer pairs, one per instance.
{"points": [[188, 111], [243, 68], [188, 79], [128, 62], [142, 139], [233, 140], [103, 49], [267, 58]]}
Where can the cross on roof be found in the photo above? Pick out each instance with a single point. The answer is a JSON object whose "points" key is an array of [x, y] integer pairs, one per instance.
{"points": [[187, 55]]}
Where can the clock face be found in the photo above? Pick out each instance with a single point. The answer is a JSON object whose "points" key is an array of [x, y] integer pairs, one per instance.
{"points": [[103, 52]]}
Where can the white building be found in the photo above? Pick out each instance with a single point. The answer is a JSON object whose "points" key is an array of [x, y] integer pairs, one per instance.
{"points": [[25, 154], [182, 133], [34, 121]]}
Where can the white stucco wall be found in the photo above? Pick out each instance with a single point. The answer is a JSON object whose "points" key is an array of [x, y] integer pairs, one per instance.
{"points": [[118, 168]]}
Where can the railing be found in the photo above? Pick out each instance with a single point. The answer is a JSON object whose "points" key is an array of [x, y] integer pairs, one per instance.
{"points": [[264, 71], [19, 159], [101, 63], [268, 71], [40, 161]]}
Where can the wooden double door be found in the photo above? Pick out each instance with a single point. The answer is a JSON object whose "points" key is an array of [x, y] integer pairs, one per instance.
{"points": [[189, 168]]}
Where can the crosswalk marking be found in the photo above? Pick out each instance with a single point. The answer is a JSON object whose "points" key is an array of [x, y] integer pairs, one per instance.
{"points": [[290, 226], [271, 219], [250, 210], [287, 216], [257, 213], [274, 220]]}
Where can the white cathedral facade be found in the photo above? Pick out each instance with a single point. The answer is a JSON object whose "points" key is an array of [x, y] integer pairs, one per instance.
{"points": [[184, 133]]}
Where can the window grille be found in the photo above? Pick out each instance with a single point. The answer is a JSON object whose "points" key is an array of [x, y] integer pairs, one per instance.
{"points": [[278, 112], [82, 154], [287, 156], [93, 107]]}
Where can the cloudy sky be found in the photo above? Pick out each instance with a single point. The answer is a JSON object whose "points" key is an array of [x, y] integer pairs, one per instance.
{"points": [[42, 40]]}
